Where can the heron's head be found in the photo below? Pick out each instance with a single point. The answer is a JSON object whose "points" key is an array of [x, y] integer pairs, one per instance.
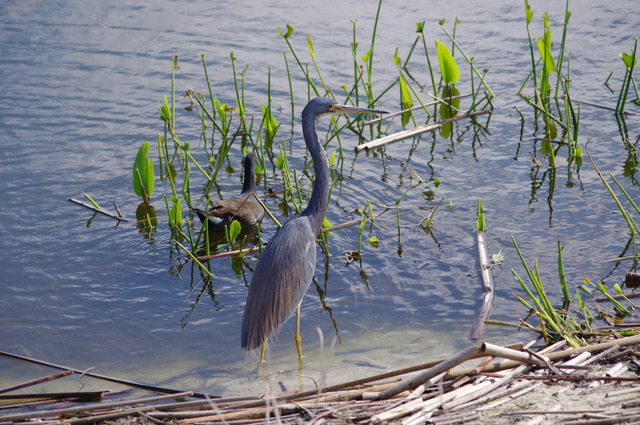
{"points": [[321, 106]]}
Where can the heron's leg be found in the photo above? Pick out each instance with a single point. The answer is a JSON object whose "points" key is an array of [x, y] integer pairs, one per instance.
{"points": [[298, 337], [263, 349]]}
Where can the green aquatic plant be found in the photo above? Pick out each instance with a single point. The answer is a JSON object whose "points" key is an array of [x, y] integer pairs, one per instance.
{"points": [[630, 61], [143, 174], [448, 66]]}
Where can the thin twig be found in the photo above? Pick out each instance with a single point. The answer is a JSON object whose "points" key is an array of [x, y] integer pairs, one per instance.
{"points": [[101, 211]]}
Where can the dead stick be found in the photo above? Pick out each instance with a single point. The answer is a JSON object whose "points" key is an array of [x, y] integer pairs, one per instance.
{"points": [[435, 102], [103, 377], [85, 408], [479, 327], [468, 353], [91, 207], [414, 131], [37, 381]]}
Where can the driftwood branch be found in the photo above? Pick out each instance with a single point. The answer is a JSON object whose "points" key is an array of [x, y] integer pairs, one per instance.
{"points": [[414, 131]]}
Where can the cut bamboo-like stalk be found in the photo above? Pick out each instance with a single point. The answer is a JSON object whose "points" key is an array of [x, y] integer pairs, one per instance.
{"points": [[414, 131], [479, 327]]}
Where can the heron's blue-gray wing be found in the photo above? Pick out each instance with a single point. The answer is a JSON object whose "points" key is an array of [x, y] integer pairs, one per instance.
{"points": [[280, 280]]}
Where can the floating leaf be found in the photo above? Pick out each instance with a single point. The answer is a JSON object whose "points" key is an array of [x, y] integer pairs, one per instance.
{"points": [[374, 241], [448, 67]]}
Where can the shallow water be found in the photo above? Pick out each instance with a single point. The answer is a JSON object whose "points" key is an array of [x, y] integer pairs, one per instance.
{"points": [[81, 83]]}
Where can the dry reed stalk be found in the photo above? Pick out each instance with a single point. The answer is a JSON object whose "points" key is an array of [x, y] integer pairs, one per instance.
{"points": [[478, 329], [414, 132]]}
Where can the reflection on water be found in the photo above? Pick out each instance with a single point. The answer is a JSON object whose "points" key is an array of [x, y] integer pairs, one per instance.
{"points": [[83, 290]]}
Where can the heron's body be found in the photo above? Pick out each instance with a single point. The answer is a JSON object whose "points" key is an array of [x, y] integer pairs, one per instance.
{"points": [[245, 208], [285, 269]]}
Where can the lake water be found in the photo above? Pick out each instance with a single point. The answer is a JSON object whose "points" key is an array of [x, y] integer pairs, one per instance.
{"points": [[81, 82]]}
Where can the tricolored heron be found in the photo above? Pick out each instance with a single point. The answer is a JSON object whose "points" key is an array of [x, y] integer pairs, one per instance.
{"points": [[245, 208], [285, 269]]}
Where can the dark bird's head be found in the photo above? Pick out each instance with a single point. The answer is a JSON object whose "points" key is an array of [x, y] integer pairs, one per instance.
{"points": [[321, 106]]}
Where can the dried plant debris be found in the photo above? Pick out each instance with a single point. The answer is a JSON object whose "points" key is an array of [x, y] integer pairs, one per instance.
{"points": [[594, 384]]}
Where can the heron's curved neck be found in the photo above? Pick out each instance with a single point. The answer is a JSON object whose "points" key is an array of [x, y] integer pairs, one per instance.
{"points": [[318, 203]]}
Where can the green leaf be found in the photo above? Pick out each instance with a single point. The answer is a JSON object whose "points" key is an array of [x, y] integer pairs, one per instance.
{"points": [[94, 203], [374, 241], [234, 230], [448, 67], [528, 12], [544, 47], [280, 161], [175, 214], [310, 47], [270, 126], [332, 159], [396, 59], [288, 33], [366, 56], [165, 111], [406, 102], [419, 27], [630, 61], [481, 225], [143, 174], [326, 223]]}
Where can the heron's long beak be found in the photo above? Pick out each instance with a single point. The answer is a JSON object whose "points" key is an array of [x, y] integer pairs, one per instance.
{"points": [[346, 109]]}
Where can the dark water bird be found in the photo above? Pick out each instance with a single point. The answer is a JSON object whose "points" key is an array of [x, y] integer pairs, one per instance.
{"points": [[245, 208], [285, 269]]}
